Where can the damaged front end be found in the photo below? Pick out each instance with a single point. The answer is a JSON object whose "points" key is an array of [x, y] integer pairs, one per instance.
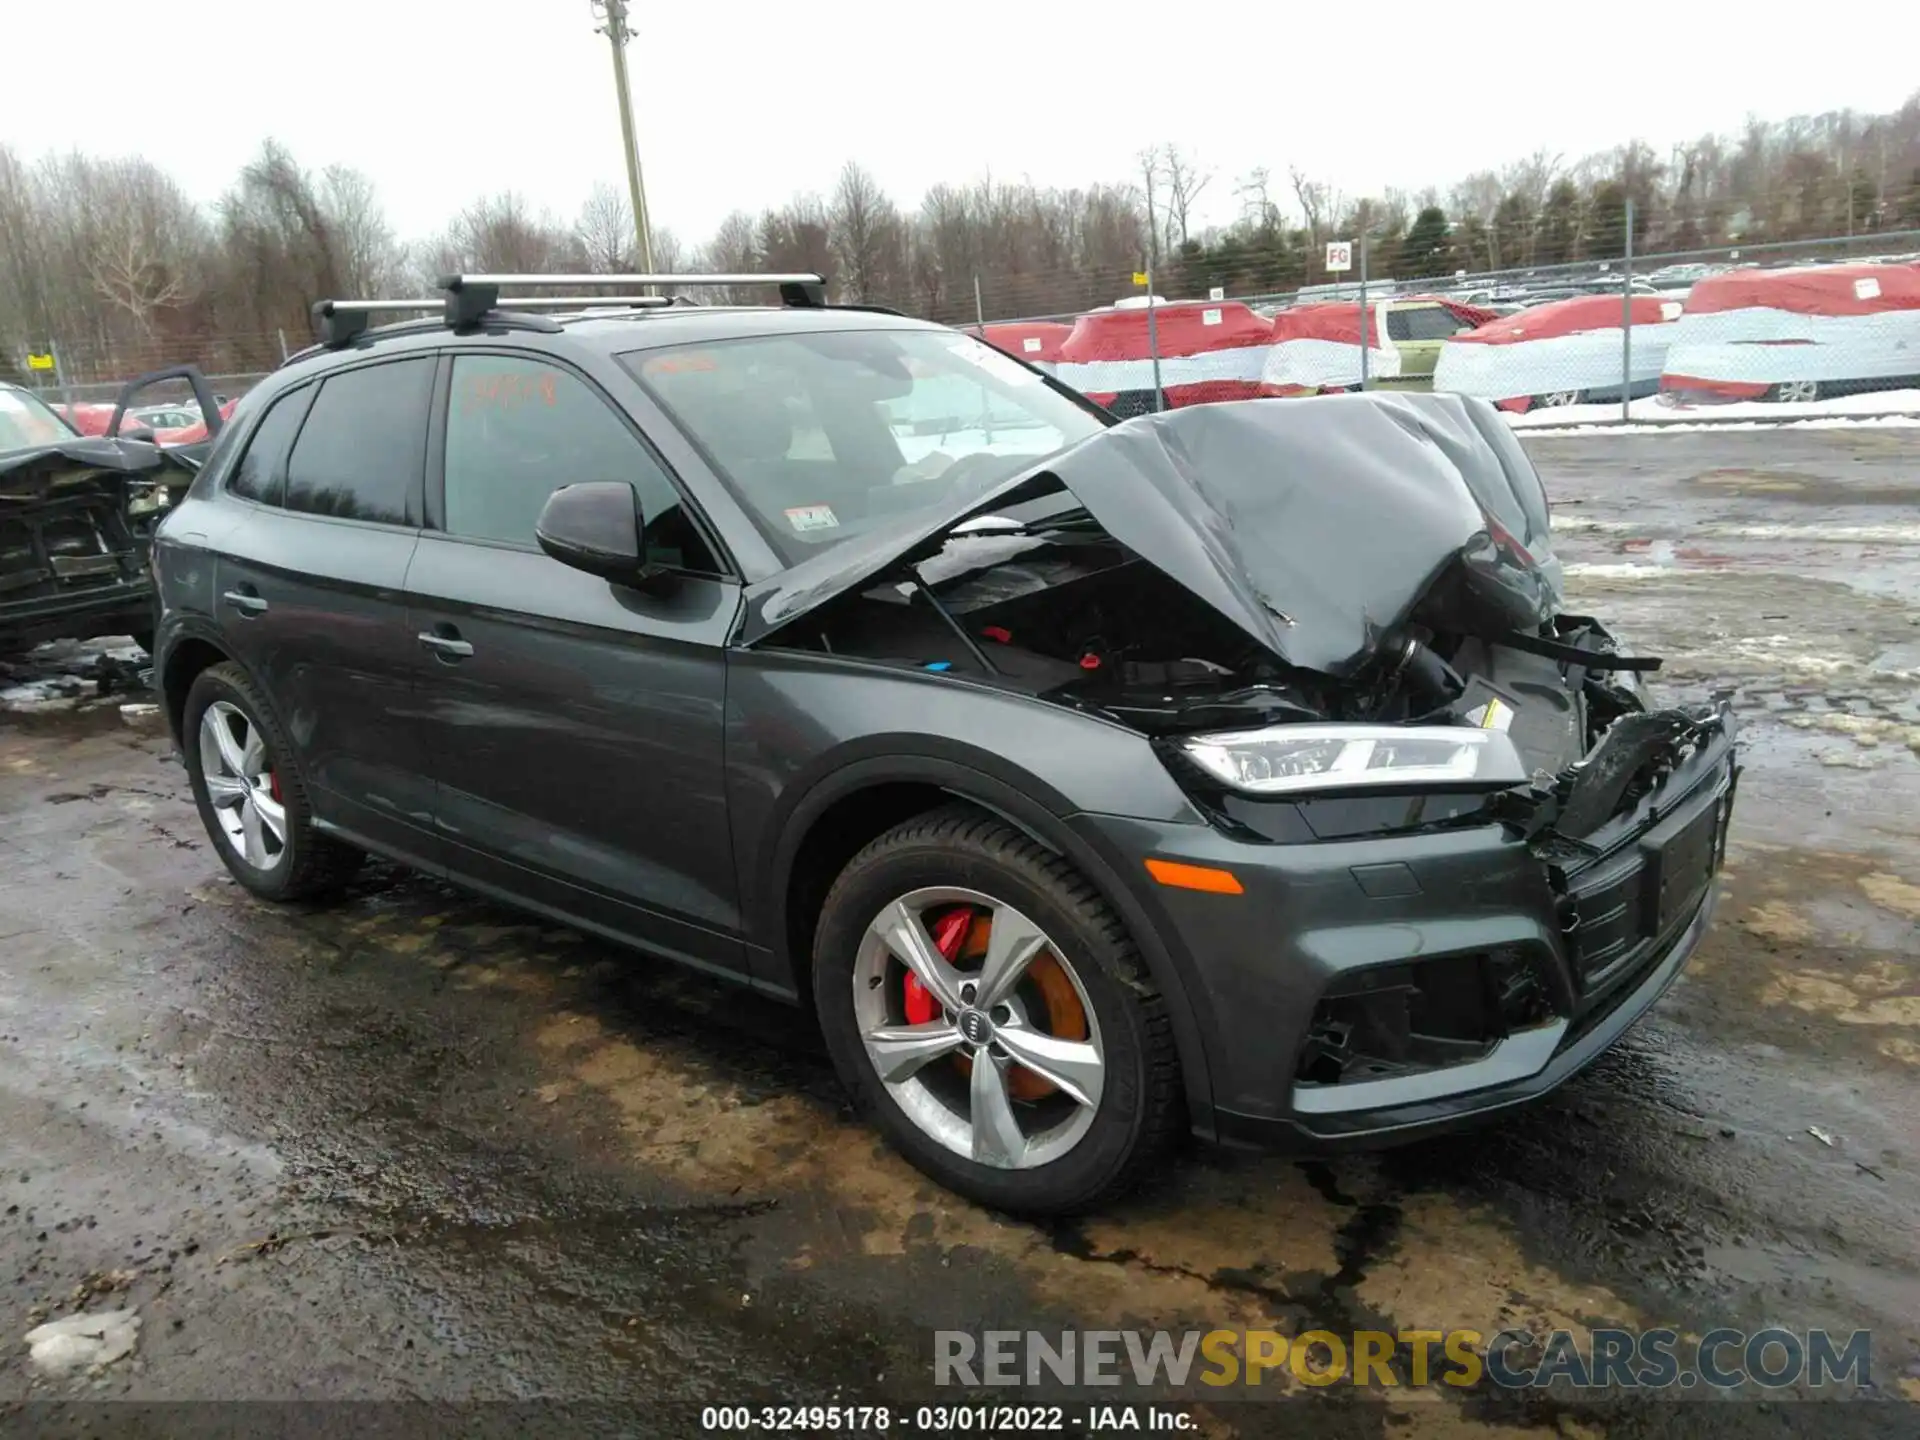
{"points": [[76, 521], [1341, 624]]}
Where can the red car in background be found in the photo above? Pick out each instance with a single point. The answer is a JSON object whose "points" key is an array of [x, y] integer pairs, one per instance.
{"points": [[171, 424]]}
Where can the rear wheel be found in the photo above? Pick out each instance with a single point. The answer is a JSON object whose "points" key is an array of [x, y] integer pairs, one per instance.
{"points": [[989, 1014], [251, 796], [1796, 392], [1558, 399]]}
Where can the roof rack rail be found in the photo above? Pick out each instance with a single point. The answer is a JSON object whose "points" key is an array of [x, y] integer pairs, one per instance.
{"points": [[598, 302], [337, 323], [466, 300], [471, 296]]}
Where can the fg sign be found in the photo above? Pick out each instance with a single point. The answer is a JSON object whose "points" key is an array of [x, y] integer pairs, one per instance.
{"points": [[1339, 256]]}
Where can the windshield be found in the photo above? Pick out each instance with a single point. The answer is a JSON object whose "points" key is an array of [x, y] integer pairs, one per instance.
{"points": [[826, 434], [25, 421]]}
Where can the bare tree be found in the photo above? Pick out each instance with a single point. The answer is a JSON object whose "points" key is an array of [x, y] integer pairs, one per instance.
{"points": [[866, 235], [1319, 202], [129, 274], [371, 260], [1255, 193], [1185, 180], [1150, 164], [500, 233], [606, 232]]}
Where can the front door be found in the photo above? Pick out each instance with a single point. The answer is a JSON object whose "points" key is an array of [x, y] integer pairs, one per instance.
{"points": [[575, 725]]}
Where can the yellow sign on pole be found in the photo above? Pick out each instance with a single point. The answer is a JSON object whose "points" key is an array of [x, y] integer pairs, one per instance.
{"points": [[1139, 277], [40, 362]]}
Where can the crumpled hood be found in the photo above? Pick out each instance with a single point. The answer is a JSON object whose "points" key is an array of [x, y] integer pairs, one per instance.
{"points": [[71, 461], [1315, 525]]}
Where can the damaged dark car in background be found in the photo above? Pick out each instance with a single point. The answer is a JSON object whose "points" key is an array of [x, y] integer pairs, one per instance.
{"points": [[77, 514], [1234, 770]]}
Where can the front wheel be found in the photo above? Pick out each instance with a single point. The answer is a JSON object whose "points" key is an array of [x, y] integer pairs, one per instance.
{"points": [[1796, 392], [988, 1012], [1558, 399]]}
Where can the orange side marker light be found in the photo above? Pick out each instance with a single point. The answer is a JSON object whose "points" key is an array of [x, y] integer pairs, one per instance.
{"points": [[1195, 877]]}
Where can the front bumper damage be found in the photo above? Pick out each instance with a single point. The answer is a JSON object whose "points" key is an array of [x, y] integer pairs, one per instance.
{"points": [[76, 523], [1371, 989]]}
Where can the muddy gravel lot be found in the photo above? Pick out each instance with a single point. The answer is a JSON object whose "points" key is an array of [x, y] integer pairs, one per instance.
{"points": [[414, 1147]]}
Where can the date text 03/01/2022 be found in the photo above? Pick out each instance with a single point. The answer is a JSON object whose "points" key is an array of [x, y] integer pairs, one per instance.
{"points": [[943, 1419]]}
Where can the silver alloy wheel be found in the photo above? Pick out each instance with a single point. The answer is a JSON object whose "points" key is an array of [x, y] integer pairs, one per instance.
{"points": [[984, 1016], [1557, 399], [233, 761], [1798, 392]]}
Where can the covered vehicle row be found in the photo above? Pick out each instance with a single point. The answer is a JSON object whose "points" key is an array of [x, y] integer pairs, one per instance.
{"points": [[1790, 334]]}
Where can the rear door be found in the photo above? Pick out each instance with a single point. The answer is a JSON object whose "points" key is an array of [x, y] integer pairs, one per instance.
{"points": [[575, 725], [1417, 332], [309, 589]]}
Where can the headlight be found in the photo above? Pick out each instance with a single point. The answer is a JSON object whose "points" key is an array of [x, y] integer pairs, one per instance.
{"points": [[1291, 759]]}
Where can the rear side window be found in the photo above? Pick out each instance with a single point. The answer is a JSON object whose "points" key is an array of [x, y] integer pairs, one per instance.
{"points": [[262, 470], [362, 451], [517, 430], [1433, 323]]}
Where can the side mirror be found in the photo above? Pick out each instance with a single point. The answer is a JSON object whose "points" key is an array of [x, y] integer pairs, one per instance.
{"points": [[594, 527]]}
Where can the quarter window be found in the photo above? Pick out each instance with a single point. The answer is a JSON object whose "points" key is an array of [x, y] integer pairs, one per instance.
{"points": [[362, 451], [518, 429], [262, 470]]}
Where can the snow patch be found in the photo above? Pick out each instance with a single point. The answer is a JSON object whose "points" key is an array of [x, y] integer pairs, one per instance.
{"points": [[1891, 407], [84, 1341]]}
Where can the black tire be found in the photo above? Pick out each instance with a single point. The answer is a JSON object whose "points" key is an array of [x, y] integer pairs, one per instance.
{"points": [[312, 864], [1142, 1111]]}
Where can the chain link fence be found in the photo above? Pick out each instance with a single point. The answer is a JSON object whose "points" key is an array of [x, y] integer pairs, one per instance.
{"points": [[1834, 320]]}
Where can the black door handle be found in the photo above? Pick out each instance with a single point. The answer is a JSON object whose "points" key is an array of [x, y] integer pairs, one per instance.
{"points": [[245, 601], [446, 646]]}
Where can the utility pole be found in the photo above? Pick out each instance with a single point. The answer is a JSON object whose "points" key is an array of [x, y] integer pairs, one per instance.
{"points": [[614, 13]]}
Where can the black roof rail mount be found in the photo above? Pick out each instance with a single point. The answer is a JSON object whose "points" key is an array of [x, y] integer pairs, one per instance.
{"points": [[338, 323], [467, 300]]}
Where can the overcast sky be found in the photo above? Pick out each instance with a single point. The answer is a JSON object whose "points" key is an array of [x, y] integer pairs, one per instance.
{"points": [[741, 103]]}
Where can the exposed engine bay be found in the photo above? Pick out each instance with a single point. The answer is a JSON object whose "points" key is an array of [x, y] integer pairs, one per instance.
{"points": [[1230, 568]]}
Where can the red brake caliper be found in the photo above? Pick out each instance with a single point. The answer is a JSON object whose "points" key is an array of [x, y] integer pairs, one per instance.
{"points": [[273, 786], [948, 935]]}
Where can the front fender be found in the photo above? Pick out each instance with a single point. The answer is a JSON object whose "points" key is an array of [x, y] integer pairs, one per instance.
{"points": [[804, 733]]}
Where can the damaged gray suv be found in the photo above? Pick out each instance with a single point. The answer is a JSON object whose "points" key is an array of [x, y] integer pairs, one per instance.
{"points": [[1233, 770]]}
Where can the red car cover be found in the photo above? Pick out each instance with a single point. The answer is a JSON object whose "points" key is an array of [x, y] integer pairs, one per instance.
{"points": [[1209, 350], [1037, 342], [1562, 347], [1840, 327]]}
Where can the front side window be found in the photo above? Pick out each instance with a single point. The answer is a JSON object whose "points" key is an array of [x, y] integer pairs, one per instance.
{"points": [[25, 421], [518, 429], [824, 434], [363, 449], [262, 471]]}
